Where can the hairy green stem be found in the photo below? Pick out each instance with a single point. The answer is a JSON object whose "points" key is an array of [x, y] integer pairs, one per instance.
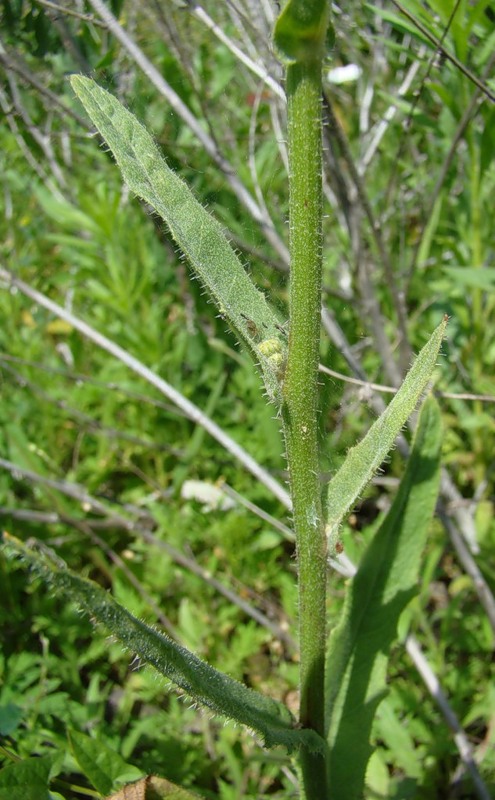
{"points": [[300, 395]]}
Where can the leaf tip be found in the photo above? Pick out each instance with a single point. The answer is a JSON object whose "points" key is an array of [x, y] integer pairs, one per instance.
{"points": [[75, 80]]}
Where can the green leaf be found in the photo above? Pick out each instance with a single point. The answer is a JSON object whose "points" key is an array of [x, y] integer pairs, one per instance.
{"points": [[101, 765], [400, 23], [10, 717], [399, 739], [198, 234], [384, 583], [27, 779], [303, 31], [472, 277], [363, 460], [206, 685]]}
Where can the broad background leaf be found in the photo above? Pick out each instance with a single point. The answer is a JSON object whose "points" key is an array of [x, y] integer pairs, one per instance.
{"points": [[384, 584]]}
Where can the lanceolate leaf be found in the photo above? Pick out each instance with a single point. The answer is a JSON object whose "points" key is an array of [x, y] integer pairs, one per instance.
{"points": [[383, 585], [363, 460], [102, 765], [204, 684], [198, 234]]}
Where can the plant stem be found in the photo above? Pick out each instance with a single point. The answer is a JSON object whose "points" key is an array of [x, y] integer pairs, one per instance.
{"points": [[300, 395]]}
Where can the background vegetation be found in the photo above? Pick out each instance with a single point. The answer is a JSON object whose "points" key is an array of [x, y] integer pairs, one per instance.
{"points": [[96, 464]]}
